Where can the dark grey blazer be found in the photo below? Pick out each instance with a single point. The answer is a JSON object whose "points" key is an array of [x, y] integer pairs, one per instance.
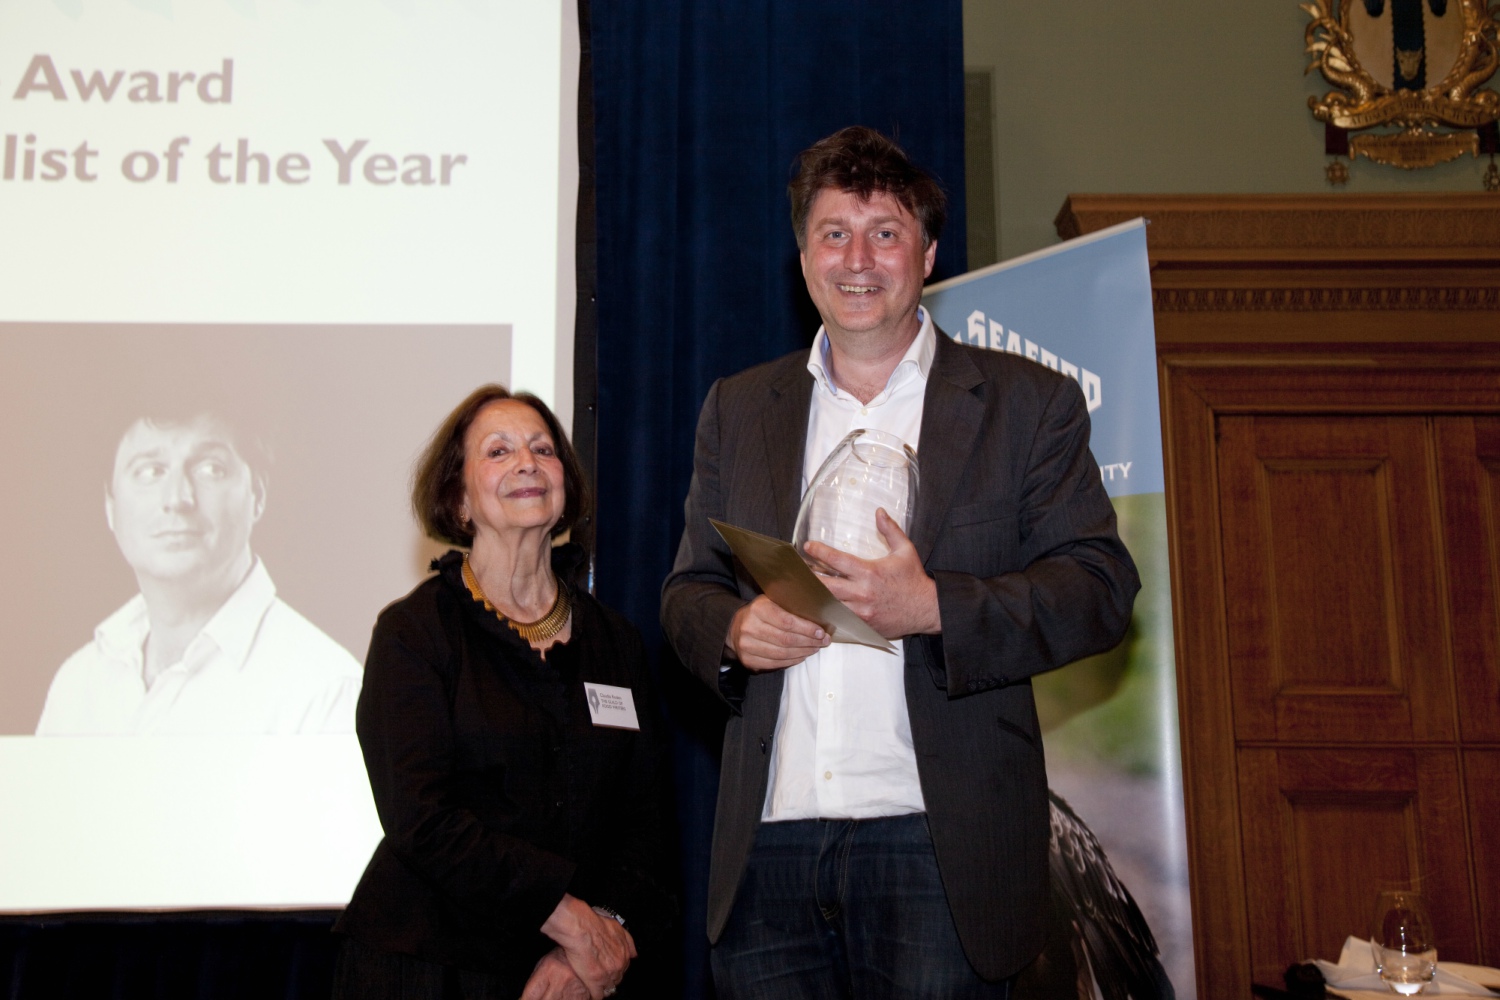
{"points": [[1013, 523]]}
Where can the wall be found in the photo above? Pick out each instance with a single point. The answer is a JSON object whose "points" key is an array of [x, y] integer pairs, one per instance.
{"points": [[1151, 97]]}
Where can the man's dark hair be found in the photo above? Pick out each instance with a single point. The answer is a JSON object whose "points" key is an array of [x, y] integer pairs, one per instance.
{"points": [[437, 484], [862, 161], [251, 448]]}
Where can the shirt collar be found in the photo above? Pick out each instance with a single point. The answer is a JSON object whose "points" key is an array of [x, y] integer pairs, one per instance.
{"points": [[123, 634], [917, 361], [234, 625], [232, 628]]}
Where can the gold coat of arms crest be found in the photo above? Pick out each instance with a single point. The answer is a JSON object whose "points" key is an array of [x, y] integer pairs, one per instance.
{"points": [[1417, 67]]}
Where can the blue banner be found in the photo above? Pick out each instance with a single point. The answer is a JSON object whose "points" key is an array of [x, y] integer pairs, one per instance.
{"points": [[1083, 308]]}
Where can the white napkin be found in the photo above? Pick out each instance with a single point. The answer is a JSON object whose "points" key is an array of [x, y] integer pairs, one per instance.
{"points": [[1355, 971]]}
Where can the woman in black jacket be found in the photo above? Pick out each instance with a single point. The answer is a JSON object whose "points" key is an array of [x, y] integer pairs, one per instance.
{"points": [[507, 725]]}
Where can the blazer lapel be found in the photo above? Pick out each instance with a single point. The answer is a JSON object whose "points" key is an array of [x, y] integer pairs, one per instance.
{"points": [[951, 413], [784, 427]]}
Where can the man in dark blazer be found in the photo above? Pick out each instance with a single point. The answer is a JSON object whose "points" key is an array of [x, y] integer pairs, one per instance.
{"points": [[897, 847]]}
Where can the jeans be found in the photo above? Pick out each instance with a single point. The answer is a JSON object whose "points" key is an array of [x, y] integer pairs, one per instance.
{"points": [[836, 909]]}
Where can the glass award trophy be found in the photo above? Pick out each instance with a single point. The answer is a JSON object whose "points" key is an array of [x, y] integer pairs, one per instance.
{"points": [[868, 470]]}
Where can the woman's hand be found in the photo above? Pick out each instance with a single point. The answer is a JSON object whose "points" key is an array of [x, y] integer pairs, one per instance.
{"points": [[554, 979], [597, 949]]}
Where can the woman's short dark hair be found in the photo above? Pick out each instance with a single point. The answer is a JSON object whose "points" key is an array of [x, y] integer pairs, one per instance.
{"points": [[862, 161], [437, 483]]}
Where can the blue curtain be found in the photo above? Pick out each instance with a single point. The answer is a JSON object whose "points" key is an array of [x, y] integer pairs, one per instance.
{"points": [[700, 110]]}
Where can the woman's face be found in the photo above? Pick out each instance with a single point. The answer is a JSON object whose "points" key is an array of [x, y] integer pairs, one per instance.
{"points": [[513, 478]]}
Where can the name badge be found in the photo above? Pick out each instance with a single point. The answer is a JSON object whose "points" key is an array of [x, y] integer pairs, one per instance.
{"points": [[611, 706]]}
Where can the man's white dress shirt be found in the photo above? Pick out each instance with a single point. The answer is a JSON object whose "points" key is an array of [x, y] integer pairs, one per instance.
{"points": [[256, 667], [843, 747]]}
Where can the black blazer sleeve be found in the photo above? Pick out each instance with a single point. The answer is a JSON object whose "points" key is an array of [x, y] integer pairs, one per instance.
{"points": [[1074, 584], [701, 594]]}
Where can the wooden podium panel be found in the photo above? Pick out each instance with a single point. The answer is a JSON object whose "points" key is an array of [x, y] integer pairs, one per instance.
{"points": [[1330, 379]]}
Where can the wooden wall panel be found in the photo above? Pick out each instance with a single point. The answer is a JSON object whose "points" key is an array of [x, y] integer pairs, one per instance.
{"points": [[1482, 778], [1335, 632], [1211, 788], [1327, 829], [1273, 919], [1468, 451]]}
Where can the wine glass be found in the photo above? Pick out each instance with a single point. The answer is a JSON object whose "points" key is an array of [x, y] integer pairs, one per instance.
{"points": [[1405, 953]]}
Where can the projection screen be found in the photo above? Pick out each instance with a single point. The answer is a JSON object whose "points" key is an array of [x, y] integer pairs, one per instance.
{"points": [[260, 247]]}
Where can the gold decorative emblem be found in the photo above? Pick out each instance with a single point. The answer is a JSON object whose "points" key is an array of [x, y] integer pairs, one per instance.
{"points": [[1414, 65]]}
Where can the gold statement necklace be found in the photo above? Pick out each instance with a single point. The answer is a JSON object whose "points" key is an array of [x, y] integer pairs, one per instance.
{"points": [[540, 630]]}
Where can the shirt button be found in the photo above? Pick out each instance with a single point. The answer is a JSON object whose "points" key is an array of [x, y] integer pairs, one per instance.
{"points": [[864, 411], [830, 696], [827, 775]]}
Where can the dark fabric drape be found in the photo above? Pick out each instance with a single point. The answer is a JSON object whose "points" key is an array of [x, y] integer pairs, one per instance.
{"points": [[701, 108]]}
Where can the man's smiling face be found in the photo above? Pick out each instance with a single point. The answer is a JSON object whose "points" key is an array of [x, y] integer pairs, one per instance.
{"points": [[864, 262]]}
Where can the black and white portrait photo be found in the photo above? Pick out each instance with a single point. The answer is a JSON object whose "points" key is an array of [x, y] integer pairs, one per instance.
{"points": [[206, 646], [209, 519]]}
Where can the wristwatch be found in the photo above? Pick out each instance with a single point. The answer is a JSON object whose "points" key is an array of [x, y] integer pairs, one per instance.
{"points": [[605, 911]]}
